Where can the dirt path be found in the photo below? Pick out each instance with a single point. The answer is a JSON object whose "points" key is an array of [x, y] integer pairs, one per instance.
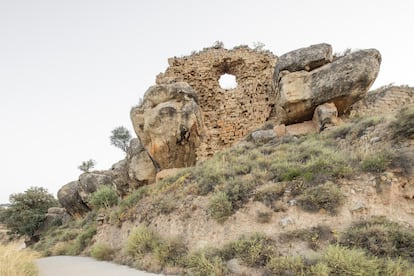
{"points": [[83, 266]]}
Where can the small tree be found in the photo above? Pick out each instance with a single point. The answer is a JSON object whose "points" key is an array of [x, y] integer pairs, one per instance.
{"points": [[120, 138], [87, 165], [27, 211]]}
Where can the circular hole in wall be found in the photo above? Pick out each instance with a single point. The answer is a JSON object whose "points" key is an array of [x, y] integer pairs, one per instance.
{"points": [[228, 81]]}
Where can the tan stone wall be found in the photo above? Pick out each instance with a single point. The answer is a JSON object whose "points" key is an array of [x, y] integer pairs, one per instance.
{"points": [[228, 114]]}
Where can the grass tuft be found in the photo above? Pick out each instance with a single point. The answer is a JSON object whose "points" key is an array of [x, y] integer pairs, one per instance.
{"points": [[326, 196], [17, 262]]}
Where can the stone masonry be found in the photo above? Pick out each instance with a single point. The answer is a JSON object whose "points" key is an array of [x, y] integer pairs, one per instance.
{"points": [[229, 114]]}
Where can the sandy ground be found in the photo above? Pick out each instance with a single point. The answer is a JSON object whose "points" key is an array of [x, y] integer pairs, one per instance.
{"points": [[83, 266]]}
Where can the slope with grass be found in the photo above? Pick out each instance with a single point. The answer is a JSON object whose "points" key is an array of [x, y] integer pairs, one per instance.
{"points": [[336, 203]]}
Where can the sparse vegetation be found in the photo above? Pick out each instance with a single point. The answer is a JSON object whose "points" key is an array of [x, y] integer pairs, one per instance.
{"points": [[104, 197], [165, 251], [199, 264], [286, 265], [403, 126], [326, 196], [17, 262], [254, 250], [377, 162], [87, 165], [102, 252], [314, 236], [220, 207], [264, 217], [381, 238]]}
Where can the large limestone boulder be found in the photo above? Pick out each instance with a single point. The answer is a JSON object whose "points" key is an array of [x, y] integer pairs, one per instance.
{"points": [[308, 59], [141, 167], [170, 125], [343, 82], [120, 179], [69, 198], [90, 182]]}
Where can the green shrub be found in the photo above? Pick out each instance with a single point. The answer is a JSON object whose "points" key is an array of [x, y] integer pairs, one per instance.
{"points": [[403, 126], [199, 264], [327, 196], [377, 162], [120, 213], [313, 236], [238, 191], [381, 238], [286, 265], [210, 174], [398, 267], [82, 241], [102, 252], [342, 261], [268, 194], [254, 250], [104, 197], [141, 240], [171, 251], [220, 208]]}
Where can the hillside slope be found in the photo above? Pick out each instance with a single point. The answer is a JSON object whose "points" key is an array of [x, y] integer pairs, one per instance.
{"points": [[287, 206]]}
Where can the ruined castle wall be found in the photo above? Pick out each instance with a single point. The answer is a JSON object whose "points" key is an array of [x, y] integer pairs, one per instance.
{"points": [[229, 114]]}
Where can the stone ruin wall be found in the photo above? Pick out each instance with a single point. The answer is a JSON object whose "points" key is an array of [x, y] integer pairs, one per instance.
{"points": [[229, 114]]}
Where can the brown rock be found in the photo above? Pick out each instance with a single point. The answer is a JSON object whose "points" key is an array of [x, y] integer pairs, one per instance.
{"points": [[170, 124], [280, 130], [342, 82], [166, 173], [141, 168], [301, 128], [308, 58], [69, 198], [325, 115]]}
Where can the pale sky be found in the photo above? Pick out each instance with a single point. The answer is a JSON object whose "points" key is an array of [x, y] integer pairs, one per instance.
{"points": [[70, 70]]}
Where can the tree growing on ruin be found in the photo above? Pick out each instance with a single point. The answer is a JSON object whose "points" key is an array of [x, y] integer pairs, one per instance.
{"points": [[120, 138], [87, 165]]}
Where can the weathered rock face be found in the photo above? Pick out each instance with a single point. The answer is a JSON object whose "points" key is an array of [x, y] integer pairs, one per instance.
{"points": [[70, 200], [229, 114], [90, 182], [325, 115], [307, 59], [343, 82], [141, 168], [120, 179], [170, 125]]}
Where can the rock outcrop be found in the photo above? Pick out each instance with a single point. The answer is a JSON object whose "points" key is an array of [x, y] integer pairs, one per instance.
{"points": [[307, 59], [70, 199], [343, 82], [187, 116], [141, 167], [170, 124]]}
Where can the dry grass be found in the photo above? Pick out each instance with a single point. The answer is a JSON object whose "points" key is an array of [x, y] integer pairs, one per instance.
{"points": [[17, 262]]}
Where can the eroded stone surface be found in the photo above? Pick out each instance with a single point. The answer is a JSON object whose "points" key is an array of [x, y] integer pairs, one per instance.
{"points": [[170, 124], [230, 114], [343, 82], [307, 59]]}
